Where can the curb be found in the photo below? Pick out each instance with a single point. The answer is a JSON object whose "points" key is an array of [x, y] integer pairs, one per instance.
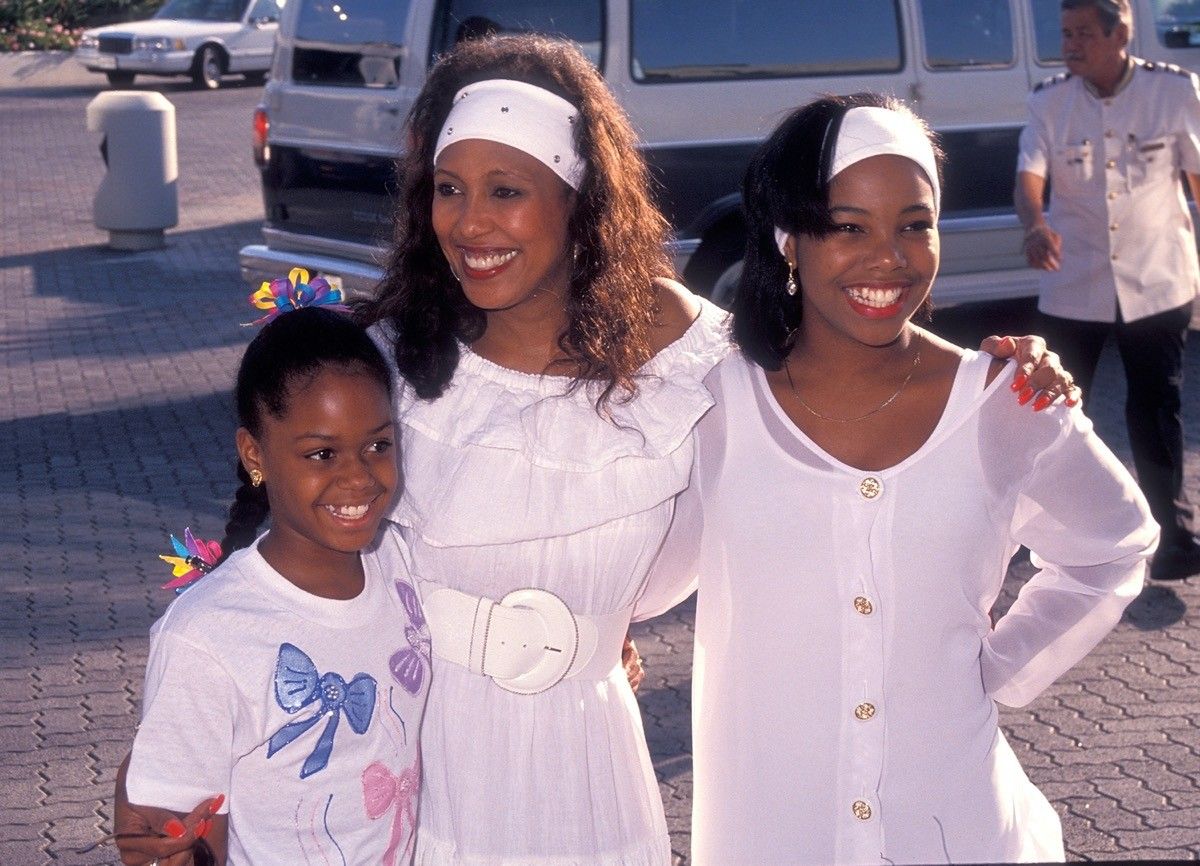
{"points": [[26, 69]]}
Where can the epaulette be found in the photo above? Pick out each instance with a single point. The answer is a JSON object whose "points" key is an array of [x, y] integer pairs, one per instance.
{"points": [[1051, 81], [1159, 66]]}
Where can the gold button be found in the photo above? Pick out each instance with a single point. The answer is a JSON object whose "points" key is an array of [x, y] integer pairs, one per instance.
{"points": [[863, 605], [864, 711], [1114, 257], [1112, 227], [861, 810], [870, 487], [1108, 133], [1112, 163], [1112, 195]]}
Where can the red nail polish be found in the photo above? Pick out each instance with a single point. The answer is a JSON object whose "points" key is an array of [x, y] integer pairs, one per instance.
{"points": [[1042, 402], [203, 827], [174, 828], [215, 804], [1019, 381], [1025, 396]]}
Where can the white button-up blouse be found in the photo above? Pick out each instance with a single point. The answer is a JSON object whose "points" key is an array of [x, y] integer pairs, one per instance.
{"points": [[846, 667]]}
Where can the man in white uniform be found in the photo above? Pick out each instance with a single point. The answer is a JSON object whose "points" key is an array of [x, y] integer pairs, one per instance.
{"points": [[1112, 136]]}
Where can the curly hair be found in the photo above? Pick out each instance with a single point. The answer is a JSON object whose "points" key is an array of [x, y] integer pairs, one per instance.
{"points": [[787, 185], [619, 234]]}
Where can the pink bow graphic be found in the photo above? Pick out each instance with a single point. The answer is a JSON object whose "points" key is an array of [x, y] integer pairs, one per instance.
{"points": [[381, 790]]}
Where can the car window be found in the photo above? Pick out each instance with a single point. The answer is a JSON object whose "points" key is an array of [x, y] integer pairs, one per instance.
{"points": [[352, 22], [683, 40], [1177, 22], [962, 33], [266, 10], [203, 10], [1047, 30], [581, 21]]}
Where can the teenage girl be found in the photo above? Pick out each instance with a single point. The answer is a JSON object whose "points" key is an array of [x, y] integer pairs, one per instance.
{"points": [[292, 678]]}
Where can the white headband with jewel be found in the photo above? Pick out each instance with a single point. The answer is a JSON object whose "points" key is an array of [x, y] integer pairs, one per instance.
{"points": [[529, 118], [870, 131]]}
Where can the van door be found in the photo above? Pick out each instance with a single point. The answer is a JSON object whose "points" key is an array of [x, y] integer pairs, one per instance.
{"points": [[972, 83], [704, 83]]}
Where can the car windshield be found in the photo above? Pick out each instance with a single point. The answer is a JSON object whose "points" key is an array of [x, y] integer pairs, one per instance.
{"points": [[203, 10]]}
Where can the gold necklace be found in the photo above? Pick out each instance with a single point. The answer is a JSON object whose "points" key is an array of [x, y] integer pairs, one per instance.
{"points": [[888, 402]]}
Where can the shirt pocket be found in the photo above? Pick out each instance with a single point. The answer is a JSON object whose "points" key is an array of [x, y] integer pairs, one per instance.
{"points": [[1151, 160], [1073, 165]]}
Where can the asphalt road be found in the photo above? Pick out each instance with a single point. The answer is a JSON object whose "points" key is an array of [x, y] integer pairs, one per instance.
{"points": [[115, 430]]}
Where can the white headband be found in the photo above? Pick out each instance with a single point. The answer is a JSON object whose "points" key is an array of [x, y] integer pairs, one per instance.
{"points": [[869, 131], [533, 120]]}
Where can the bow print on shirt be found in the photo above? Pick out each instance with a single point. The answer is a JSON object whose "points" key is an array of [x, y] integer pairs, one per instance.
{"points": [[408, 664], [297, 684], [381, 791]]}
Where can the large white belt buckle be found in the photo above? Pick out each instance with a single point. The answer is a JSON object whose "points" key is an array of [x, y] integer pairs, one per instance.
{"points": [[561, 641]]}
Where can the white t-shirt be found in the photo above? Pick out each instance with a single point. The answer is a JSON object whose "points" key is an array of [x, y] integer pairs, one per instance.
{"points": [[304, 711], [847, 671]]}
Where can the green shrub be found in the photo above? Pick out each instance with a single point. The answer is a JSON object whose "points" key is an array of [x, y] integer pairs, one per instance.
{"points": [[35, 25]]}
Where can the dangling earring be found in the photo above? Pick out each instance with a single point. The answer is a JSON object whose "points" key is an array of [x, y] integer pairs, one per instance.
{"points": [[256, 478], [791, 288]]}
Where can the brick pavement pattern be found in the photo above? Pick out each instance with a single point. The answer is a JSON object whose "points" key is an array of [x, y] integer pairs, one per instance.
{"points": [[116, 429]]}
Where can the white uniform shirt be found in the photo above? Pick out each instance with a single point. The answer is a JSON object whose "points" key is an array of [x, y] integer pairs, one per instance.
{"points": [[846, 669], [1116, 195], [304, 711]]}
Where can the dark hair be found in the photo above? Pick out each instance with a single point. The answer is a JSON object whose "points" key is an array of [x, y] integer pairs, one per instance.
{"points": [[618, 234], [786, 186], [1111, 12], [288, 353]]}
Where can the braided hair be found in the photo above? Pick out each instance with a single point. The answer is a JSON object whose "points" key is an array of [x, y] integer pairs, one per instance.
{"points": [[287, 354]]}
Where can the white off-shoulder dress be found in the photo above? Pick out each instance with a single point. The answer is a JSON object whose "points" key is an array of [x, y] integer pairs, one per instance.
{"points": [[847, 671], [509, 483]]}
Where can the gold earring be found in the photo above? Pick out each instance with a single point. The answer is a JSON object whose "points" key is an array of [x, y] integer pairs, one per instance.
{"points": [[791, 288], [256, 478]]}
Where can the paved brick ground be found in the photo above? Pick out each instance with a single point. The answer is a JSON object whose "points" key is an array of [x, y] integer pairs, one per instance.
{"points": [[115, 430]]}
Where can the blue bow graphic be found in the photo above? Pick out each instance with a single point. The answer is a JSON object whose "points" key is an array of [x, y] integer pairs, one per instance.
{"points": [[297, 684]]}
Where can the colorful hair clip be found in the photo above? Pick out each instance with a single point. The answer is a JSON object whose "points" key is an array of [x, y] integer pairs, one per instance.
{"points": [[293, 292], [194, 558]]}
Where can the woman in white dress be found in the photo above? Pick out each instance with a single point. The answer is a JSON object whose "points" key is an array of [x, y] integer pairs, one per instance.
{"points": [[859, 488], [549, 378]]}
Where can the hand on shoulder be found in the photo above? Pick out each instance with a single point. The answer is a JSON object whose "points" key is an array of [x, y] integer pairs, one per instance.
{"points": [[677, 310]]}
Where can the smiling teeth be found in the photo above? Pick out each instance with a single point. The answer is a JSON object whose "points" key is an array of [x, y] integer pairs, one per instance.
{"points": [[875, 297], [487, 263], [348, 512]]}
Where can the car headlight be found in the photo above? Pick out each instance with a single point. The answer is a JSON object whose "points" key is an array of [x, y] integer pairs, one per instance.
{"points": [[153, 43], [88, 42]]}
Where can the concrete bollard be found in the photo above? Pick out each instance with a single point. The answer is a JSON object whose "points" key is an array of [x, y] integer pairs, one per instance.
{"points": [[138, 196]]}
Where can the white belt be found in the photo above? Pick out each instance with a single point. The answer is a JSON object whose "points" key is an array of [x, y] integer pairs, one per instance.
{"points": [[527, 642]]}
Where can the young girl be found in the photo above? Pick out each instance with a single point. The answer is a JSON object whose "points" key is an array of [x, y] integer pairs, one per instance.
{"points": [[292, 677], [860, 486]]}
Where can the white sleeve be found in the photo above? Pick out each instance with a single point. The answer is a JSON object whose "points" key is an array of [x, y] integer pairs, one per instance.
{"points": [[183, 750], [1090, 531], [1033, 148], [1189, 135]]}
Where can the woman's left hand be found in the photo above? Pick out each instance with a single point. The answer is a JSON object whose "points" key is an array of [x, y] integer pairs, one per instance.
{"points": [[1039, 371], [632, 662]]}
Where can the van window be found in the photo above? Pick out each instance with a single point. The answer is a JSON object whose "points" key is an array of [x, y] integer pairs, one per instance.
{"points": [[685, 40], [352, 22], [1177, 23], [1047, 30], [962, 33], [581, 21]]}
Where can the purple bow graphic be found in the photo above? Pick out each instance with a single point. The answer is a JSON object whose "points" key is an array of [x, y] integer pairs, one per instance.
{"points": [[408, 665]]}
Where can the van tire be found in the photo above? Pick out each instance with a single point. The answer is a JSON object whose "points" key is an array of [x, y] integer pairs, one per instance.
{"points": [[710, 269], [120, 77], [725, 288], [208, 67]]}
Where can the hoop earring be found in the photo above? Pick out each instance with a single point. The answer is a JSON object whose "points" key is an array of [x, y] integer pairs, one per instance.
{"points": [[790, 287], [256, 478]]}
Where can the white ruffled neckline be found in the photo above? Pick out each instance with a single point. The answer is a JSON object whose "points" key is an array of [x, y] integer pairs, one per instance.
{"points": [[490, 406]]}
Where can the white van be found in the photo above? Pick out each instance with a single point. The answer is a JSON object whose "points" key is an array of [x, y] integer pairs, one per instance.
{"points": [[703, 80]]}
